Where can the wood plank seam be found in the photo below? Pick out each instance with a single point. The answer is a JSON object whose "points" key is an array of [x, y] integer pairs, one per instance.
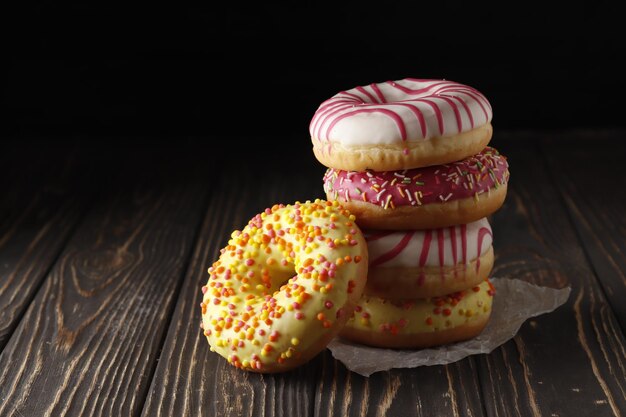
{"points": [[46, 274], [177, 291], [481, 390], [588, 258]]}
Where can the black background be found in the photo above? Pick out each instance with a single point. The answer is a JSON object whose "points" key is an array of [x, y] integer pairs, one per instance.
{"points": [[246, 71]]}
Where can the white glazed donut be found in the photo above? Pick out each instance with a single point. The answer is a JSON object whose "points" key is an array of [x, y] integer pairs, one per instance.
{"points": [[402, 124], [428, 263]]}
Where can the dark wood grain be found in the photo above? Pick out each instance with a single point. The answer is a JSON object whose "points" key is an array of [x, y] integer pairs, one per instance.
{"points": [[104, 287], [451, 390], [568, 362], [87, 344], [41, 202], [591, 179], [203, 382]]}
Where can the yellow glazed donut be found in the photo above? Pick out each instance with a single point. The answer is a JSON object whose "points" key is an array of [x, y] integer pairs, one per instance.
{"points": [[402, 124], [420, 323], [284, 286]]}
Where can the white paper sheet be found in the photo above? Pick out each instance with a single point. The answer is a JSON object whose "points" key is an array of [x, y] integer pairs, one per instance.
{"points": [[515, 302]]}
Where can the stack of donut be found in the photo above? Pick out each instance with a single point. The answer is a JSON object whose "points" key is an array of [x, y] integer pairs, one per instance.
{"points": [[410, 159]]}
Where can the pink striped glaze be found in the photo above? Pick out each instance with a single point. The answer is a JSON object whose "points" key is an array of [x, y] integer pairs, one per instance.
{"points": [[467, 178], [433, 247], [398, 111]]}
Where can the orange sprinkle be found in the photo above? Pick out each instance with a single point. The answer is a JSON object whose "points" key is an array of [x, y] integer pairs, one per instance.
{"points": [[357, 259]]}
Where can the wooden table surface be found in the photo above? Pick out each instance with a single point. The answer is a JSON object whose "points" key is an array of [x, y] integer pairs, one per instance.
{"points": [[105, 243]]}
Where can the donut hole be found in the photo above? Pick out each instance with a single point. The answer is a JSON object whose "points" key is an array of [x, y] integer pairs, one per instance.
{"points": [[279, 277]]}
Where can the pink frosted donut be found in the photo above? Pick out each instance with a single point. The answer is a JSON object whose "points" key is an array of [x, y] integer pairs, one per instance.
{"points": [[402, 124], [423, 198], [428, 263]]}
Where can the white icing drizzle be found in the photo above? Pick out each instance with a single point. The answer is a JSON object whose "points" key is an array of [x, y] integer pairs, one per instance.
{"points": [[396, 111], [447, 246]]}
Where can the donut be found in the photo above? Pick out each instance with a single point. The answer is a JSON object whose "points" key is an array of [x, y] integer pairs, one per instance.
{"points": [[428, 263], [423, 322], [423, 198], [402, 124], [284, 286]]}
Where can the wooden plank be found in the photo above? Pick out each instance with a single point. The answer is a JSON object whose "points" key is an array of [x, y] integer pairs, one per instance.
{"points": [[568, 362], [192, 381], [205, 385], [89, 340], [450, 390], [592, 182], [39, 208]]}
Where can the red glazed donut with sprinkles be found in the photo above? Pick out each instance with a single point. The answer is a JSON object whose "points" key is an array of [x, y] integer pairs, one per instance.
{"points": [[423, 198], [284, 286], [402, 124], [421, 322], [428, 263]]}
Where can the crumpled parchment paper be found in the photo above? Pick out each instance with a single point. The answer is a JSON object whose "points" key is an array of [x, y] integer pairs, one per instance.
{"points": [[515, 302]]}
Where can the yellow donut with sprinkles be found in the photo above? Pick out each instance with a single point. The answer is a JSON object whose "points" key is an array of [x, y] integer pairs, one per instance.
{"points": [[284, 286], [421, 322]]}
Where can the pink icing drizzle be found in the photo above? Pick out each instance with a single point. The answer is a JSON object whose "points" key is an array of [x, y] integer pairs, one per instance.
{"points": [[393, 252], [464, 242], [453, 240], [440, 241], [439, 95], [435, 184], [391, 114], [440, 245], [424, 255], [481, 235], [402, 246]]}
